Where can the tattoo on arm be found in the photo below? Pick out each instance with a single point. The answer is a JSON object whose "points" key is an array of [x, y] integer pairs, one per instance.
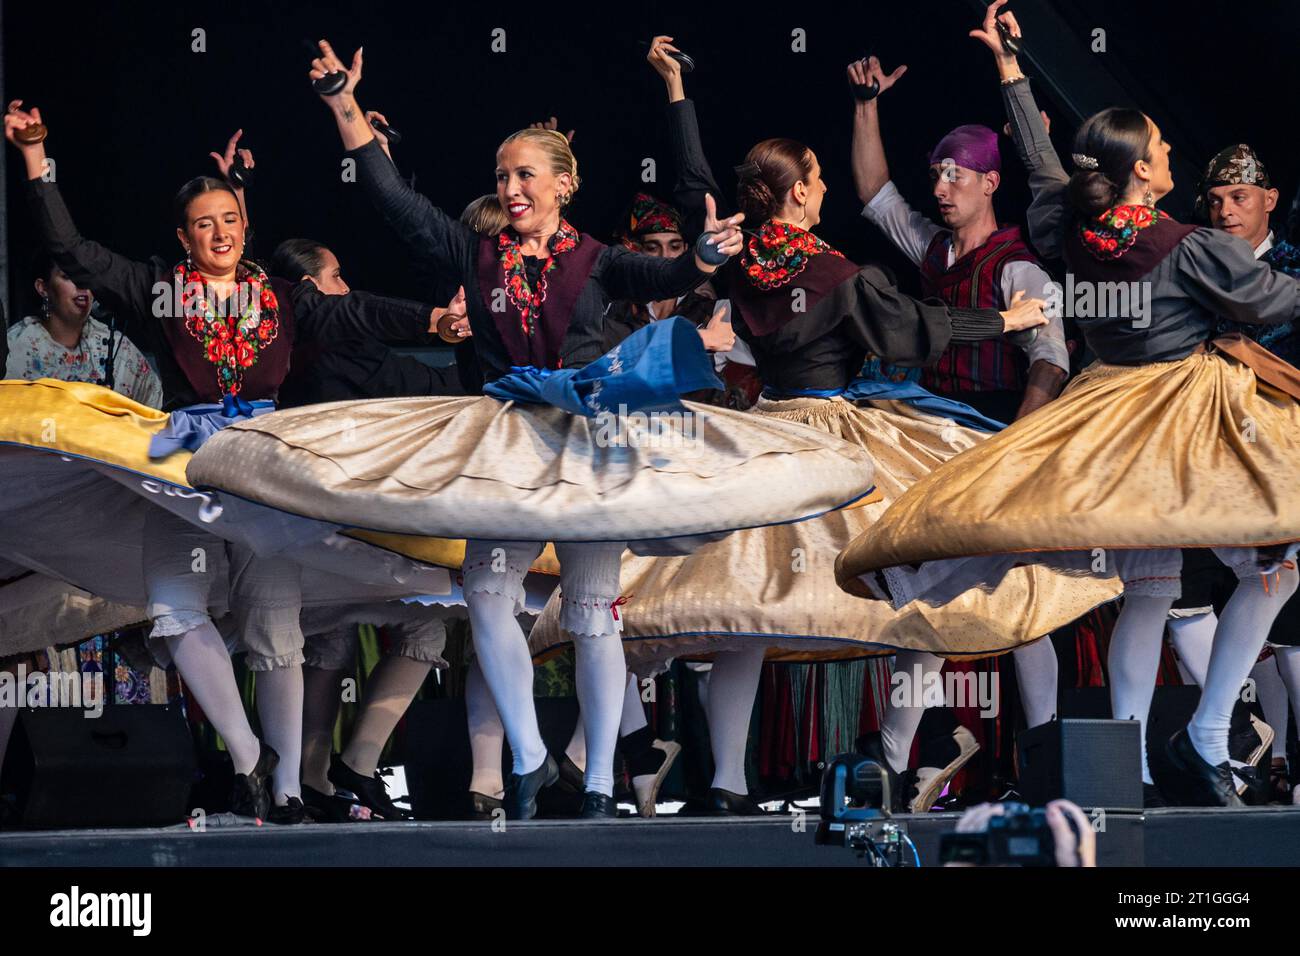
{"points": [[349, 114]]}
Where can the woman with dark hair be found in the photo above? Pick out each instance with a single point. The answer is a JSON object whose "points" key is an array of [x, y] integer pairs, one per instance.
{"points": [[221, 332], [1142, 453], [68, 343], [810, 317]]}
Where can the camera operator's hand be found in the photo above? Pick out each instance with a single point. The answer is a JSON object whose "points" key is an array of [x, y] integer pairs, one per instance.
{"points": [[1072, 849], [976, 819]]}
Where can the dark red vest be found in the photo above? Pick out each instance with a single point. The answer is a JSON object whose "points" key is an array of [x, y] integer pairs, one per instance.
{"points": [[975, 282]]}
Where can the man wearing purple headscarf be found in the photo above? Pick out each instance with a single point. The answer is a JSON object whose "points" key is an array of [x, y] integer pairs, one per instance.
{"points": [[969, 259]]}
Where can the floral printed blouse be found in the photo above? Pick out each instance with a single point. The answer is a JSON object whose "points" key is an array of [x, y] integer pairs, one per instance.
{"points": [[34, 354]]}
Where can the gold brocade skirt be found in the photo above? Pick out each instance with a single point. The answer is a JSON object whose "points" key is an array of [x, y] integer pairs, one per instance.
{"points": [[776, 585], [500, 471], [1185, 454]]}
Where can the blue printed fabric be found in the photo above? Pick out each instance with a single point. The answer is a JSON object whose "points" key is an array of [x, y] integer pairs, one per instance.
{"points": [[861, 390], [647, 371]]}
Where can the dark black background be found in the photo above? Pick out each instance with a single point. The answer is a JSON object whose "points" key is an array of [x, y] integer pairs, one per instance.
{"points": [[133, 112]]}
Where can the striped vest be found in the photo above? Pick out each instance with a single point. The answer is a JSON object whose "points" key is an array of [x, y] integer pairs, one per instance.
{"points": [[975, 282]]}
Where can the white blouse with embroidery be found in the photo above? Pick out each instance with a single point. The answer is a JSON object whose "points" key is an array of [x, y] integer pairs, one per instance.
{"points": [[34, 354]]}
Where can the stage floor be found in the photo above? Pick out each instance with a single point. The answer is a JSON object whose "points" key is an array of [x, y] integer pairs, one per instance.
{"points": [[1266, 836]]}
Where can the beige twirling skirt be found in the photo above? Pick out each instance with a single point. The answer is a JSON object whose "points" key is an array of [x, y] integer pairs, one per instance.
{"points": [[776, 585], [486, 469], [1193, 453]]}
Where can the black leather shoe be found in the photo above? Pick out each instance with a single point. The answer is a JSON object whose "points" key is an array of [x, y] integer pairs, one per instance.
{"points": [[326, 807], [291, 814], [482, 807], [250, 794], [597, 806], [1152, 799], [1193, 782], [571, 778], [724, 803], [369, 791], [522, 790], [869, 745]]}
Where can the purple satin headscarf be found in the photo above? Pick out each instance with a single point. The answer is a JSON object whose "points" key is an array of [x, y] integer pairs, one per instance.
{"points": [[973, 147]]}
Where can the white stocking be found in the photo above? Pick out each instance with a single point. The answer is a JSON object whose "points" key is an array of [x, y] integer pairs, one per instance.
{"points": [[733, 685]]}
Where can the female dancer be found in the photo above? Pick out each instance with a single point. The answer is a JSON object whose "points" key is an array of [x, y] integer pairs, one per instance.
{"points": [[1182, 427], [222, 332], [771, 590], [511, 476]]}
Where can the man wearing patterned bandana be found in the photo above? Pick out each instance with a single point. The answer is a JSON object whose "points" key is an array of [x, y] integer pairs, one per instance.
{"points": [[1235, 195], [655, 228]]}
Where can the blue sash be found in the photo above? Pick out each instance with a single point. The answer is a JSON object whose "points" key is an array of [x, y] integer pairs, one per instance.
{"points": [[863, 390], [647, 371], [189, 427]]}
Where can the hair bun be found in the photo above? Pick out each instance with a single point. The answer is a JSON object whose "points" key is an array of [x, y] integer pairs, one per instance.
{"points": [[1092, 192]]}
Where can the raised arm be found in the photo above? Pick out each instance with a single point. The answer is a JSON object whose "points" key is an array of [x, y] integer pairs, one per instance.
{"points": [[427, 231], [225, 161], [695, 178], [1048, 180], [870, 168], [84, 261]]}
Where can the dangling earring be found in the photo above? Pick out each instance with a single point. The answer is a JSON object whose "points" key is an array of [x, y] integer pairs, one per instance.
{"points": [[45, 308], [1148, 199], [803, 212]]}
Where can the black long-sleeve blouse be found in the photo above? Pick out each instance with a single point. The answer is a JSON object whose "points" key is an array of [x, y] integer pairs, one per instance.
{"points": [[142, 295], [849, 311], [599, 275]]}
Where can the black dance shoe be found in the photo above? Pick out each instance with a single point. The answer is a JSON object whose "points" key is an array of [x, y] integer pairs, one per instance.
{"points": [[1193, 781], [326, 807], [291, 814], [479, 806], [597, 806], [1152, 799], [521, 791], [369, 791], [571, 777], [724, 803], [250, 794]]}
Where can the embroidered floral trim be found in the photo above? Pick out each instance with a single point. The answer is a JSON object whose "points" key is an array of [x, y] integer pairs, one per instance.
{"points": [[527, 300], [232, 343], [1113, 233], [780, 252]]}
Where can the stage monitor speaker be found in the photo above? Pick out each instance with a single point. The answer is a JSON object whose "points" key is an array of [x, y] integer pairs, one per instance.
{"points": [[133, 766], [1094, 763]]}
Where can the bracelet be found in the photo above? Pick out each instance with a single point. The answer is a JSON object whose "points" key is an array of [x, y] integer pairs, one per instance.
{"points": [[1014, 79]]}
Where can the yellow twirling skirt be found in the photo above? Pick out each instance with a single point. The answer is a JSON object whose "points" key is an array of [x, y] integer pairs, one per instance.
{"points": [[776, 585], [1192, 453]]}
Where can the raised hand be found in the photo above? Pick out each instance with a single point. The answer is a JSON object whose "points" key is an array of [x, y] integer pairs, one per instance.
{"points": [[717, 334], [1023, 313], [988, 31], [666, 66], [551, 123], [328, 62], [1047, 123], [227, 159], [723, 234], [863, 72], [16, 119]]}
